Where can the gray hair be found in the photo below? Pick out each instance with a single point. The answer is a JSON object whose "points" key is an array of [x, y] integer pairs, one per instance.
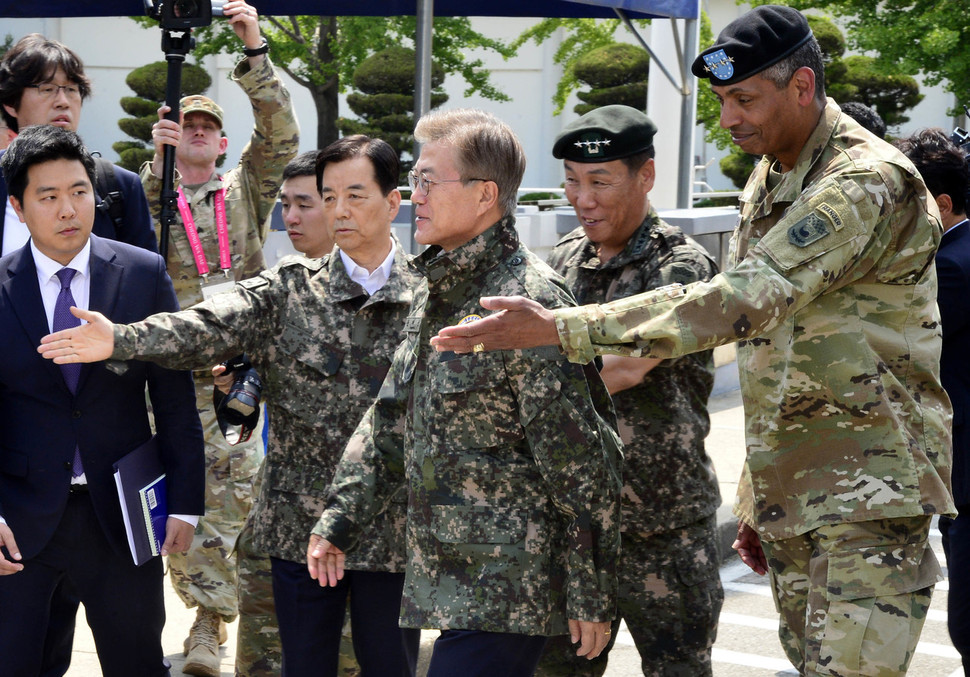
{"points": [[808, 55], [485, 148]]}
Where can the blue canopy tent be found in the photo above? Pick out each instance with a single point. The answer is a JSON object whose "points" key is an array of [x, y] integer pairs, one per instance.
{"points": [[688, 10], [683, 9]]}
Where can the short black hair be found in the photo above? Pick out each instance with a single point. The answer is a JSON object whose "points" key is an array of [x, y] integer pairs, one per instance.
{"points": [[383, 158], [304, 164], [32, 61], [38, 144], [941, 164], [865, 116]]}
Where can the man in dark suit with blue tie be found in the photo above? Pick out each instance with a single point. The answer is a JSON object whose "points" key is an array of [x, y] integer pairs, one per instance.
{"points": [[944, 169], [61, 431]]}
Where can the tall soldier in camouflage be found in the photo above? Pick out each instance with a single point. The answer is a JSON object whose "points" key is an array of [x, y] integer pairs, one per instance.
{"points": [[831, 300], [206, 576], [322, 333], [670, 591], [509, 463]]}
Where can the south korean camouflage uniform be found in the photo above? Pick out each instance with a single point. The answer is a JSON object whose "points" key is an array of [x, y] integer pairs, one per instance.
{"points": [[669, 580], [832, 302], [206, 575], [509, 461], [322, 347]]}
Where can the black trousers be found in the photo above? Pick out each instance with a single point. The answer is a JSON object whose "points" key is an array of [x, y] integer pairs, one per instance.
{"points": [[473, 653], [124, 604], [311, 618], [956, 547]]}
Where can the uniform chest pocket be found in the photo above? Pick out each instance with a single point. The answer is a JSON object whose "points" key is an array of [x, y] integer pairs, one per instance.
{"points": [[473, 407], [308, 358]]}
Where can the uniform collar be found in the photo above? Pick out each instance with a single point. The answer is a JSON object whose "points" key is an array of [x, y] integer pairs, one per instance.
{"points": [[443, 269]]}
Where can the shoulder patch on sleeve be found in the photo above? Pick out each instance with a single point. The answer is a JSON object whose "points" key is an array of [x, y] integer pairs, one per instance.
{"points": [[253, 282], [815, 225], [810, 229]]}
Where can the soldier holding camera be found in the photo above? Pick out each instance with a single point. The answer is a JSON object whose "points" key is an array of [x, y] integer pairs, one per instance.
{"points": [[217, 238]]}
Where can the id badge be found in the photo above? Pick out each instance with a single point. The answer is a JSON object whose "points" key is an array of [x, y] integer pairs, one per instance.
{"points": [[217, 287]]}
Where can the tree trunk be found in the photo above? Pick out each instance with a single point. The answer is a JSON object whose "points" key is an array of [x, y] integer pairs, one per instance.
{"points": [[325, 96]]}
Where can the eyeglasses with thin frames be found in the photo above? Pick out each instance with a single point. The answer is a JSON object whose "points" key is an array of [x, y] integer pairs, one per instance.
{"points": [[49, 90], [423, 183]]}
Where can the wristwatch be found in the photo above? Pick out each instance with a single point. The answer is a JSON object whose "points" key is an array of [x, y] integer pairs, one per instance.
{"points": [[262, 49]]}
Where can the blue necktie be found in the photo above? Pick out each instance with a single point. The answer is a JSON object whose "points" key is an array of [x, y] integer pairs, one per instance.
{"points": [[63, 319]]}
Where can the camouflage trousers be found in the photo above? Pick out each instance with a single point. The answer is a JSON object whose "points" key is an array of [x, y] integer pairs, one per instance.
{"points": [[206, 574], [669, 595], [258, 650], [853, 597]]}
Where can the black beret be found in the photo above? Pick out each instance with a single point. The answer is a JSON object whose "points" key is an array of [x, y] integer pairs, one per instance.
{"points": [[751, 43], [605, 134]]}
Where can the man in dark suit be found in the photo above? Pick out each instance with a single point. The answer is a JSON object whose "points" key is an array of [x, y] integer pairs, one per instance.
{"points": [[946, 174], [42, 82], [60, 432]]}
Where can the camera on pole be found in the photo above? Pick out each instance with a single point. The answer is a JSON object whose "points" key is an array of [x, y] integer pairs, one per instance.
{"points": [[176, 18]]}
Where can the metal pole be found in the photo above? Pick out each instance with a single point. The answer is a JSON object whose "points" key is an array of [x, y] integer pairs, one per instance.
{"points": [[685, 168], [422, 79]]}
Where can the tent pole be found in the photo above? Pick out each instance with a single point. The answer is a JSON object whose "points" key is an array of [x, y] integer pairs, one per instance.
{"points": [[643, 43], [688, 106], [422, 79]]}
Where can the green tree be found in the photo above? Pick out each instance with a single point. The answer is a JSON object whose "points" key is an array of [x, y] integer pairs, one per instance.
{"points": [[148, 84], [580, 37], [321, 53], [616, 74], [907, 37], [385, 100]]}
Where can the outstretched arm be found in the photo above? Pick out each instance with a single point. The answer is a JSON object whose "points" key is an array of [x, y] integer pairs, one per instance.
{"points": [[519, 323], [91, 342]]}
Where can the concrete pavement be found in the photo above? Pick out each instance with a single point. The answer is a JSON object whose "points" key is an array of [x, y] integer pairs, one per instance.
{"points": [[725, 444]]}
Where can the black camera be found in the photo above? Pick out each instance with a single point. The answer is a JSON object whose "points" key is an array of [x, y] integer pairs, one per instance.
{"points": [[240, 407], [961, 138], [179, 15]]}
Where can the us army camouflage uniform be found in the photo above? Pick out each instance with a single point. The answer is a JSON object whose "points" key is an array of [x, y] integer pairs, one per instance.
{"points": [[512, 475], [206, 575], [831, 299], [669, 579]]}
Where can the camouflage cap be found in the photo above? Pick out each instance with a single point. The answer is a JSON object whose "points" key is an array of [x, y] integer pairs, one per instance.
{"points": [[605, 134], [751, 43], [201, 104]]}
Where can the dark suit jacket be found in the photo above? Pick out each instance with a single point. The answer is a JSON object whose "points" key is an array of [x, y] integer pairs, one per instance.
{"points": [[953, 272], [139, 229], [41, 421]]}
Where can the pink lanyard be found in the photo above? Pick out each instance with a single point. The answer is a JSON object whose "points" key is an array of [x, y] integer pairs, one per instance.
{"points": [[222, 232]]}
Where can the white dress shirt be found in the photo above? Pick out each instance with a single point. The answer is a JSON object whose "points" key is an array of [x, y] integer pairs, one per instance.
{"points": [[371, 282]]}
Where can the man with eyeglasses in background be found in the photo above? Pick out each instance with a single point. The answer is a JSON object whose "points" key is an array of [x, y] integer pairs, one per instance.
{"points": [[42, 82]]}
